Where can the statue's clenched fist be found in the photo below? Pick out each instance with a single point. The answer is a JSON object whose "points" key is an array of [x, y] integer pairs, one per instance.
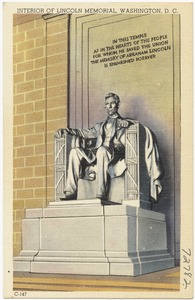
{"points": [[122, 124]]}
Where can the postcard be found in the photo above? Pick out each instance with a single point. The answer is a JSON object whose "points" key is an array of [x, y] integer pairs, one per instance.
{"points": [[98, 150]]}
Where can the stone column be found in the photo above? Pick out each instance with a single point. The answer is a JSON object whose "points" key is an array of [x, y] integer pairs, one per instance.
{"points": [[56, 88]]}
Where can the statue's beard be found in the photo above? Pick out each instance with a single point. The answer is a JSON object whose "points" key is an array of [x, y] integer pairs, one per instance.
{"points": [[112, 111]]}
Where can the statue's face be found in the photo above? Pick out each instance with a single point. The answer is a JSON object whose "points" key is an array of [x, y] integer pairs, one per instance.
{"points": [[111, 106]]}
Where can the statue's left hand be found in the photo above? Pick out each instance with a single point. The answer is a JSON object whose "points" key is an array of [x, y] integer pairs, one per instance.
{"points": [[122, 124]]}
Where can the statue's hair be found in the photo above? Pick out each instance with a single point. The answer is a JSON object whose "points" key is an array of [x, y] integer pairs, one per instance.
{"points": [[114, 96]]}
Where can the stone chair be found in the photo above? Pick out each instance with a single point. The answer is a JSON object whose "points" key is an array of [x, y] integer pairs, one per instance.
{"points": [[132, 187]]}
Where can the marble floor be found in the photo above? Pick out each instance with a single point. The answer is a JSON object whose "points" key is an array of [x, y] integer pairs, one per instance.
{"points": [[163, 281]]}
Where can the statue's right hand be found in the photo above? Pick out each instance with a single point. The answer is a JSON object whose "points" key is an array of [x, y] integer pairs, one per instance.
{"points": [[61, 133]]}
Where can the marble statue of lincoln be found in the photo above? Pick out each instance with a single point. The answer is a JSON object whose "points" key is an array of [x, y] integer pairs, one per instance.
{"points": [[108, 154]]}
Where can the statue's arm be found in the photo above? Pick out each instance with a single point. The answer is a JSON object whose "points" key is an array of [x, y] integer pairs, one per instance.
{"points": [[84, 133], [122, 125], [61, 132]]}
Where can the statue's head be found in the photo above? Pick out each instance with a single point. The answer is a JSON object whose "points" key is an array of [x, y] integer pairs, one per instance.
{"points": [[112, 103]]}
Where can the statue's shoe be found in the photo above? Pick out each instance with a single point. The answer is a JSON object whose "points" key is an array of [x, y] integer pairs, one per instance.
{"points": [[69, 196]]}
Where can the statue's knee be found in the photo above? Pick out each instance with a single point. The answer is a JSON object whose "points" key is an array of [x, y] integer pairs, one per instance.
{"points": [[73, 153], [101, 151]]}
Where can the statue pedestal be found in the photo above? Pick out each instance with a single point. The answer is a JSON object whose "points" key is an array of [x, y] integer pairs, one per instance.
{"points": [[84, 237]]}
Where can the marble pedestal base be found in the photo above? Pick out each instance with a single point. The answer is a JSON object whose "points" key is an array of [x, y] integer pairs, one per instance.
{"points": [[84, 237]]}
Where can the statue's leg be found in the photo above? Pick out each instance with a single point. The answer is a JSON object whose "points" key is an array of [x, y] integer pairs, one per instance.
{"points": [[74, 169], [103, 158]]}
